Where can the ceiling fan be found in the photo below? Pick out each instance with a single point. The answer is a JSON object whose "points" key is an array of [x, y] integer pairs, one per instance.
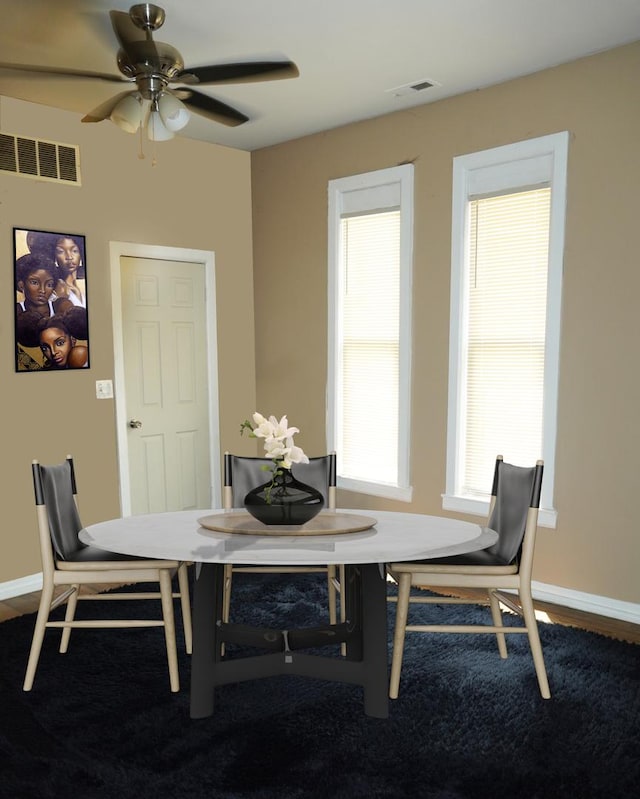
{"points": [[154, 68]]}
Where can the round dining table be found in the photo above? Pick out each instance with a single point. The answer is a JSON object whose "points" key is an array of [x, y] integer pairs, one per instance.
{"points": [[362, 541]]}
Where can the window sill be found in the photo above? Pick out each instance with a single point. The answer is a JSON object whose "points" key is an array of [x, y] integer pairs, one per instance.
{"points": [[376, 489], [547, 517]]}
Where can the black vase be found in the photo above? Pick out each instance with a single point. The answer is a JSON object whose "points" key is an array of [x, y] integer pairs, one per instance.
{"points": [[284, 500]]}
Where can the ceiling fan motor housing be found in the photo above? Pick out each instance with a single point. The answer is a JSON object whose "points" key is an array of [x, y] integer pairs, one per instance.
{"points": [[150, 58]]}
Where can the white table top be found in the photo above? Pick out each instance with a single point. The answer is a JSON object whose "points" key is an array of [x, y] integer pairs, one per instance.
{"points": [[177, 535]]}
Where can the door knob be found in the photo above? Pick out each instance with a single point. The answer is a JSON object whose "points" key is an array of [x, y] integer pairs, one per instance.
{"points": [[135, 423]]}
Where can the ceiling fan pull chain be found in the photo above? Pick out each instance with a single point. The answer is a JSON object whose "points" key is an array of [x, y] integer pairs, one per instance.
{"points": [[141, 150], [154, 160], [152, 136]]}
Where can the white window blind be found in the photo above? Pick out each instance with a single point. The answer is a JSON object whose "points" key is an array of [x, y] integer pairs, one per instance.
{"points": [[369, 374], [370, 346], [505, 344]]}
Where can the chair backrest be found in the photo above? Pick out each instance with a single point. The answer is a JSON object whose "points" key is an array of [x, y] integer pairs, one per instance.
{"points": [[514, 507], [241, 474], [55, 489]]}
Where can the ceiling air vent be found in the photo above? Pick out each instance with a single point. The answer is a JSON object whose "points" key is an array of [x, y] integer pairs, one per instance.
{"points": [[413, 87], [40, 159]]}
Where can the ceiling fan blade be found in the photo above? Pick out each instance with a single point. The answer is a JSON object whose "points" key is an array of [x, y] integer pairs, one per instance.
{"points": [[104, 110], [125, 30], [130, 36], [63, 73], [243, 72], [211, 108]]}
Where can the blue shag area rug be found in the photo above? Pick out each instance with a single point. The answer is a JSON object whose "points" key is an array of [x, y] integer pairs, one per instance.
{"points": [[101, 722]]}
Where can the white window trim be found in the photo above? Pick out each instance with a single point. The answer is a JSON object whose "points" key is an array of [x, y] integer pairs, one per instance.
{"points": [[550, 152], [338, 201]]}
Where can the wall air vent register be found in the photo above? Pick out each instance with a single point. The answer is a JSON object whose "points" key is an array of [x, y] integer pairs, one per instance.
{"points": [[40, 159]]}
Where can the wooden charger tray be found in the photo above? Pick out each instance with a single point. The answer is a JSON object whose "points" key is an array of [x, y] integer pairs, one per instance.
{"points": [[325, 523]]}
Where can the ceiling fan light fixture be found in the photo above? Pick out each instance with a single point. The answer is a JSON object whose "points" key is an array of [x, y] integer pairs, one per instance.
{"points": [[173, 112], [156, 130], [127, 114]]}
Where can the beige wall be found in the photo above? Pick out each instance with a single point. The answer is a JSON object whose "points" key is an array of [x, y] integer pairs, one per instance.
{"points": [[595, 548], [198, 196]]}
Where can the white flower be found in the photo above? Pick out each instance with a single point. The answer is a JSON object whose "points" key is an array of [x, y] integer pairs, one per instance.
{"points": [[274, 448], [278, 439], [295, 454], [263, 427], [258, 419], [271, 428]]}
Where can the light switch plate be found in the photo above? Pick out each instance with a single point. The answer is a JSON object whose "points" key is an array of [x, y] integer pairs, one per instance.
{"points": [[104, 389]]}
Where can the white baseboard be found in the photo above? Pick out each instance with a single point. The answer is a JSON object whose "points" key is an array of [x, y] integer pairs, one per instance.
{"points": [[23, 585], [590, 603]]}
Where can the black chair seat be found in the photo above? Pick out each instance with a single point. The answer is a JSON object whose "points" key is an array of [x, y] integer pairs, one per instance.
{"points": [[93, 554], [483, 557]]}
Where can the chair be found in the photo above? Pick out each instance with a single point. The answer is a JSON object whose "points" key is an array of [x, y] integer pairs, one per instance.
{"points": [[506, 566], [66, 561], [241, 474]]}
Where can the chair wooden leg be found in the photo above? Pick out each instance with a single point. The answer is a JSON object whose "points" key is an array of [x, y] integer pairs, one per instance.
{"points": [[332, 593], [529, 615], [166, 592], [402, 612], [343, 607], [496, 615], [70, 614], [46, 598], [226, 599], [185, 604]]}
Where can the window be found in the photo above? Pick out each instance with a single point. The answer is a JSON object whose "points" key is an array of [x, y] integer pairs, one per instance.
{"points": [[507, 248], [370, 257]]}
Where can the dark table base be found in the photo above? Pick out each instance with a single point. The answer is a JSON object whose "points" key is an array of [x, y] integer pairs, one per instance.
{"points": [[364, 635]]}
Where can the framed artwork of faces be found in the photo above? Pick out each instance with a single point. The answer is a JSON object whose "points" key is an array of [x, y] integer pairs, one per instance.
{"points": [[51, 321]]}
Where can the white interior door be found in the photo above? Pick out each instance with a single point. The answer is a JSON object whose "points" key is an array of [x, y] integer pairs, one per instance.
{"points": [[164, 337]]}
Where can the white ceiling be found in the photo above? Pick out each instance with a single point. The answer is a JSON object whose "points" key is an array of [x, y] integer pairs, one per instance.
{"points": [[350, 53]]}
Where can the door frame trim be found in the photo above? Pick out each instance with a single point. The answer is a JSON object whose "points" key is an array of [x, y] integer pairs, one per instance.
{"points": [[118, 250]]}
